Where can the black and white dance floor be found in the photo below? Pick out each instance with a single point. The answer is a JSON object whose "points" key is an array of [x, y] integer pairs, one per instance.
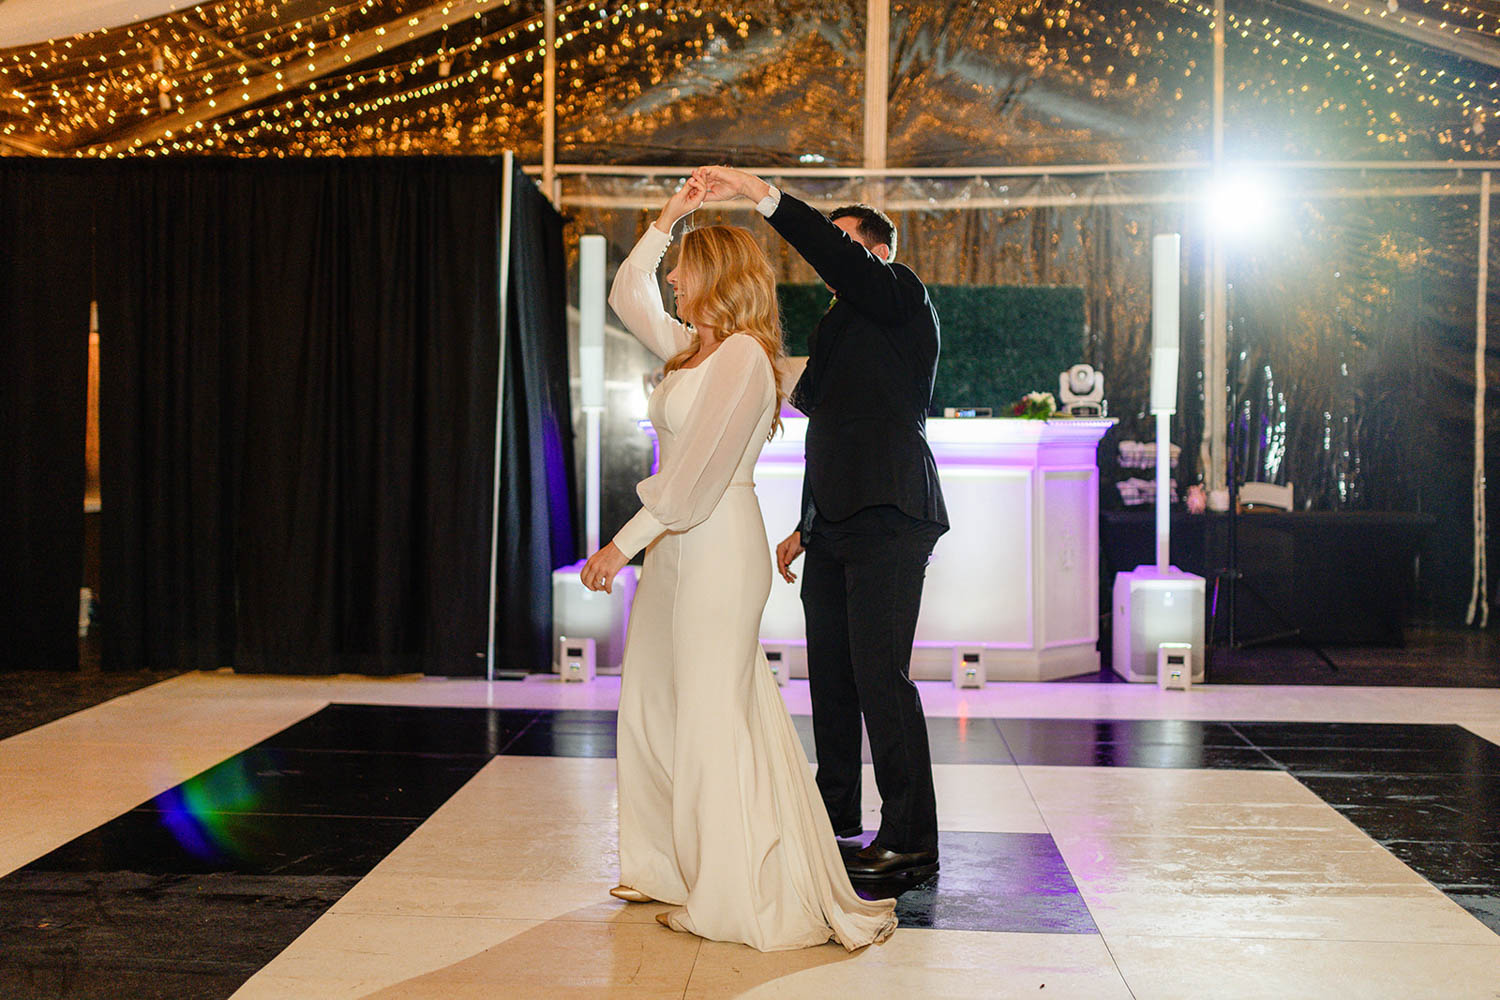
{"points": [[217, 836]]}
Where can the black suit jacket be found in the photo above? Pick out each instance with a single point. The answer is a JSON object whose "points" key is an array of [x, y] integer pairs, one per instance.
{"points": [[868, 383]]}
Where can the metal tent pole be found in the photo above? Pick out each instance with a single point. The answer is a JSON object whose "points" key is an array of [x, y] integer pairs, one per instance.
{"points": [[1216, 327], [877, 91], [1479, 598], [549, 102], [507, 191]]}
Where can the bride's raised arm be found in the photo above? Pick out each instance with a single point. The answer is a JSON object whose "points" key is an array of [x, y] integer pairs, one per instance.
{"points": [[635, 295]]}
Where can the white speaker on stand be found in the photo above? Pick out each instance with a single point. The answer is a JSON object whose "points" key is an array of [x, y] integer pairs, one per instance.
{"points": [[578, 612], [1159, 606]]}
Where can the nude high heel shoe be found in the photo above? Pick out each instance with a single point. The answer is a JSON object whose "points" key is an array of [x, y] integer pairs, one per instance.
{"points": [[630, 895]]}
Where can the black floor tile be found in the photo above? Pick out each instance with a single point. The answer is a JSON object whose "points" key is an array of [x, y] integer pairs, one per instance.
{"points": [[576, 720], [1465, 760], [1351, 735], [1013, 882], [1451, 865], [138, 977], [563, 745], [341, 783], [1484, 905], [189, 894], [1165, 755], [405, 730], [111, 935], [1024, 734], [966, 741], [544, 738], [1129, 743], [185, 843], [950, 741], [1462, 808]]}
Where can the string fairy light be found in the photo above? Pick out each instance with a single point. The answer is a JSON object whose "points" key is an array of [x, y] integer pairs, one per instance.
{"points": [[269, 78]]}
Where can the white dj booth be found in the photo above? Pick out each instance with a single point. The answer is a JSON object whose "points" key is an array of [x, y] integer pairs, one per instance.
{"points": [[1016, 577]]}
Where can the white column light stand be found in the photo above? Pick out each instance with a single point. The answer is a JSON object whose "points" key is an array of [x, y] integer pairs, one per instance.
{"points": [[1159, 604]]}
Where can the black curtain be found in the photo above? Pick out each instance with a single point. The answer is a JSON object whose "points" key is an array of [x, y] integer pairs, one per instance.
{"points": [[177, 298], [538, 508], [44, 302], [298, 415], [369, 422]]}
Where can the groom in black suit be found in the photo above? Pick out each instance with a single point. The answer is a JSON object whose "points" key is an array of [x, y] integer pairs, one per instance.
{"points": [[872, 509]]}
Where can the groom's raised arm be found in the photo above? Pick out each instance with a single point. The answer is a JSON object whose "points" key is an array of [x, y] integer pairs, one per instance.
{"points": [[854, 273]]}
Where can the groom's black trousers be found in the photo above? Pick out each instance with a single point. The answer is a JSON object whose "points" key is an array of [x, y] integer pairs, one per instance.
{"points": [[861, 591]]}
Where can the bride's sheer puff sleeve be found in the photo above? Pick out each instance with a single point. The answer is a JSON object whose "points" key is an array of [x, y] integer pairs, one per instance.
{"points": [[635, 297], [737, 388]]}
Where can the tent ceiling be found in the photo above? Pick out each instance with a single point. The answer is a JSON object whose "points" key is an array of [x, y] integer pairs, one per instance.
{"points": [[767, 81], [1476, 45], [29, 22]]}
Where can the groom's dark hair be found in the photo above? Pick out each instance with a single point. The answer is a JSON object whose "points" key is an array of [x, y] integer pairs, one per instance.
{"points": [[874, 225]]}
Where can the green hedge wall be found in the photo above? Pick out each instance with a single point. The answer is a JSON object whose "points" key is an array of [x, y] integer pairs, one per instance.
{"points": [[999, 342]]}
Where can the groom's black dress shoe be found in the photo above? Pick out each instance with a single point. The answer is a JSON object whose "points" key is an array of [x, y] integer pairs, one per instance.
{"points": [[880, 862], [850, 833]]}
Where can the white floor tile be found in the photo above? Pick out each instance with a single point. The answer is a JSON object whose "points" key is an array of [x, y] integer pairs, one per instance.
{"points": [[388, 892], [1166, 968], [455, 958], [1469, 706], [989, 798], [1489, 731], [1233, 854], [953, 965]]}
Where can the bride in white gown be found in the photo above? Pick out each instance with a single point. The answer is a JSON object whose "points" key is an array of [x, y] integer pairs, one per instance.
{"points": [[719, 814]]}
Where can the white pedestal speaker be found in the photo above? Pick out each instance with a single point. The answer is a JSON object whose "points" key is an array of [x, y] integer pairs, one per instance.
{"points": [[1153, 607], [575, 658], [1160, 606], [581, 613]]}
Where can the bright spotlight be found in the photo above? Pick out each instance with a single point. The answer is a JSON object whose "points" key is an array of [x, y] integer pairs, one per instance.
{"points": [[1241, 203]]}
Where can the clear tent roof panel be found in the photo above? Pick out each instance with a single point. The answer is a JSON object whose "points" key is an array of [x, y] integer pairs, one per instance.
{"points": [[766, 81]]}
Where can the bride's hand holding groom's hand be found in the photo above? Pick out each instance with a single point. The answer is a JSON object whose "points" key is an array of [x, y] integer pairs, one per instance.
{"points": [[726, 183], [686, 199]]}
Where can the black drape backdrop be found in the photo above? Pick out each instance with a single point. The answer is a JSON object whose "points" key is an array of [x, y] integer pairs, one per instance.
{"points": [[538, 509], [369, 411], [297, 416], [175, 294], [44, 317]]}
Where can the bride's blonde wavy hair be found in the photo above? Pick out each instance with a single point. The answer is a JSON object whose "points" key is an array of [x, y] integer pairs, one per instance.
{"points": [[735, 292]]}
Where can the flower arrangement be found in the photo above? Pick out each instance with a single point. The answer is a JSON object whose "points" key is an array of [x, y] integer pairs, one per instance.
{"points": [[1035, 406]]}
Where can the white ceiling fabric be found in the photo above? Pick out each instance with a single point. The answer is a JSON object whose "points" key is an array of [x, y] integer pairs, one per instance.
{"points": [[26, 22]]}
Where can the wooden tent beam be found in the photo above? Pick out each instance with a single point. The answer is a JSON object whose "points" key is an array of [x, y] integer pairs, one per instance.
{"points": [[1405, 25]]}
